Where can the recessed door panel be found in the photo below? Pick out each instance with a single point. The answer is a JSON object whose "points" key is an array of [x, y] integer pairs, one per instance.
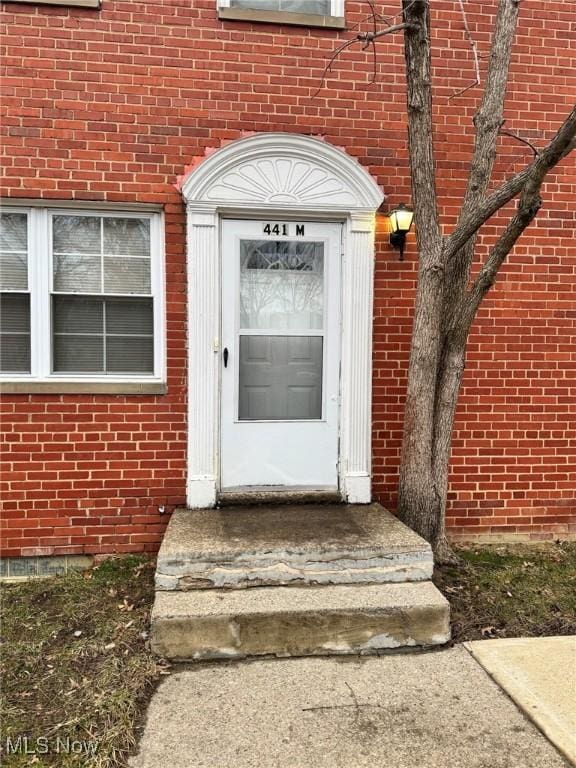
{"points": [[280, 377]]}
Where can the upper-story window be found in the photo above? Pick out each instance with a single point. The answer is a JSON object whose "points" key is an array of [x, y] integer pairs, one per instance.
{"points": [[321, 13], [81, 295]]}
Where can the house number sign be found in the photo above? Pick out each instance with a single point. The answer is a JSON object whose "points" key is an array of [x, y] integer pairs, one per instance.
{"points": [[283, 229]]}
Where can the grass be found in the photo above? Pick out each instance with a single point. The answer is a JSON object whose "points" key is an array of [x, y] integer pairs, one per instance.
{"points": [[511, 591], [77, 665]]}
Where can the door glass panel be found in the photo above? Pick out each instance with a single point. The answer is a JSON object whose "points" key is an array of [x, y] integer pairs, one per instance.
{"points": [[280, 378], [281, 285]]}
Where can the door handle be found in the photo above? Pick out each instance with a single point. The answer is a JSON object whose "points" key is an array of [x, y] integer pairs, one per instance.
{"points": [[225, 356]]}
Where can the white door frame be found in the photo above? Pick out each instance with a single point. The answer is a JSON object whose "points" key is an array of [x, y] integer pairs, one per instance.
{"points": [[279, 176]]}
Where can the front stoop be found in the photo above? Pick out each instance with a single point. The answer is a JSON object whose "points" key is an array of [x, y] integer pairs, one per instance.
{"points": [[293, 581], [281, 545]]}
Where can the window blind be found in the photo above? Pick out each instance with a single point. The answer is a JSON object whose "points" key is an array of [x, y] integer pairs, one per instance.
{"points": [[14, 298]]}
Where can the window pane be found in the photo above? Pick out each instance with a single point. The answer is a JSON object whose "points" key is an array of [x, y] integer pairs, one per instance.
{"points": [[127, 236], [15, 333], [78, 334], [13, 232], [280, 377], [15, 353], [306, 6], [130, 354], [14, 271], [126, 275], [78, 274], [78, 354], [72, 314], [15, 313], [78, 325], [129, 316], [13, 251], [129, 339], [281, 285], [76, 234], [293, 6]]}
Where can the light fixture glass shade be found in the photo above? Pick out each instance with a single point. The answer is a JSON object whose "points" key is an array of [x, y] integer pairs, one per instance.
{"points": [[401, 219]]}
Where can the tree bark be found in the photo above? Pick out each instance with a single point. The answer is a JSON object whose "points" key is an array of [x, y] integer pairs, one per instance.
{"points": [[418, 497]]}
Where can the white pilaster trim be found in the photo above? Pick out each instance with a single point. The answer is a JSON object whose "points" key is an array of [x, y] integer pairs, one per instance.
{"points": [[203, 344], [283, 175], [356, 384]]}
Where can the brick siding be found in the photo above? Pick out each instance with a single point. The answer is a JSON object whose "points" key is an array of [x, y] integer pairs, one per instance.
{"points": [[114, 105]]}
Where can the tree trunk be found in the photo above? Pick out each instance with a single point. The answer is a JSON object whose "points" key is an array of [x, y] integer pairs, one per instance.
{"points": [[419, 499], [449, 381]]}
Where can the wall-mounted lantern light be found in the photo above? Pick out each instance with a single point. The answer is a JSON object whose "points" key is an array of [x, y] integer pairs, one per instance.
{"points": [[400, 223]]}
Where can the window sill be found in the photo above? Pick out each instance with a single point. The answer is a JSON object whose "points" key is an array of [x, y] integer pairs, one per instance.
{"points": [[83, 388], [69, 3], [282, 17]]}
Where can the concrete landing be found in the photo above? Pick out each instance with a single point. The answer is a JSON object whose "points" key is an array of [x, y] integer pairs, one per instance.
{"points": [[539, 674], [288, 621], [289, 545]]}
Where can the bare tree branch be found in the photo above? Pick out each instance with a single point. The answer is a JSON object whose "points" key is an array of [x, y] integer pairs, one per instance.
{"points": [[562, 144], [367, 39], [488, 119], [521, 140], [331, 60], [474, 46], [528, 206]]}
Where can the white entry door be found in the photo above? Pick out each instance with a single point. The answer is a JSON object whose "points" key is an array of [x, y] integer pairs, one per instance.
{"points": [[280, 354]]}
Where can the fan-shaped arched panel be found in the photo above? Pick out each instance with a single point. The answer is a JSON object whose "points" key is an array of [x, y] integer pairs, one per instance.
{"points": [[282, 170]]}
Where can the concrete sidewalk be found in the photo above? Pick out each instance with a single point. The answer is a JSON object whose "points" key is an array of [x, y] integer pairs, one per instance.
{"points": [[539, 674], [417, 710]]}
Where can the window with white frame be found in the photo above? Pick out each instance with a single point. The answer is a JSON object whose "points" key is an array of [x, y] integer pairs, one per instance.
{"points": [[81, 294], [312, 8]]}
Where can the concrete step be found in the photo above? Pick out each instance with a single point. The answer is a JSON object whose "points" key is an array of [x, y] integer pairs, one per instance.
{"points": [[288, 621], [289, 545]]}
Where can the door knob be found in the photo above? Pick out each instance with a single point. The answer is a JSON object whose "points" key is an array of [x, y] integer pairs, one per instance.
{"points": [[225, 356]]}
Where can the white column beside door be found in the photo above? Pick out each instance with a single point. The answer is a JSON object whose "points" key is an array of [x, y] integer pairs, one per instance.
{"points": [[358, 281], [203, 358]]}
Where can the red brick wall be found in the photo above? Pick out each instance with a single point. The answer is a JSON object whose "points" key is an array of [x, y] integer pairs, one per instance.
{"points": [[114, 104]]}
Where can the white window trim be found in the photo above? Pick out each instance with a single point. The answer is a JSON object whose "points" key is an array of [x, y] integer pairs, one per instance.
{"points": [[40, 291]]}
